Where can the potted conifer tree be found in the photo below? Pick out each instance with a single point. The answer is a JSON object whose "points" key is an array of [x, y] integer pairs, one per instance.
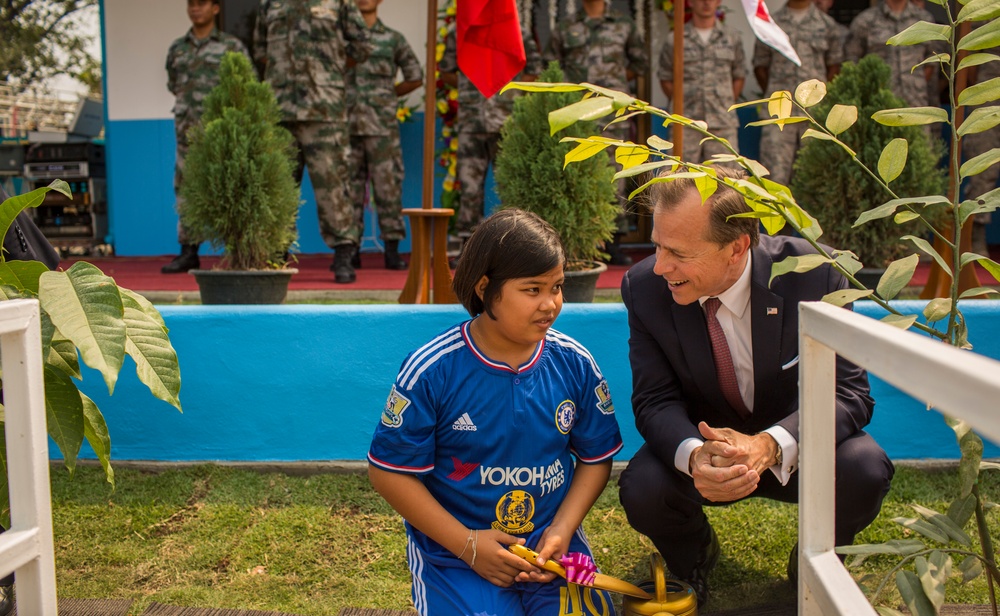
{"points": [[578, 201], [238, 189]]}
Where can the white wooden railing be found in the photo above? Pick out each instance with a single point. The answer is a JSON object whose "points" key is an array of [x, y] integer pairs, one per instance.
{"points": [[27, 547], [962, 384]]}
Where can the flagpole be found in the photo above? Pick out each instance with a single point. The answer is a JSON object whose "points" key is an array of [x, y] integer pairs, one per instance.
{"points": [[428, 224]]}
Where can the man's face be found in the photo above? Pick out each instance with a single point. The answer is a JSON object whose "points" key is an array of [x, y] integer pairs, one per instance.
{"points": [[202, 12], [368, 6], [705, 9], [692, 265], [824, 5]]}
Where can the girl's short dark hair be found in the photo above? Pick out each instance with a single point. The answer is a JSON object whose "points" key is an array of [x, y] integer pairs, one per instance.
{"points": [[509, 244]]}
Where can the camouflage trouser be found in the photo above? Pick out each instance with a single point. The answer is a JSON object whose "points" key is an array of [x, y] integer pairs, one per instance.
{"points": [[778, 149], [476, 151], [182, 234], [323, 147], [696, 152], [976, 144], [378, 158]]}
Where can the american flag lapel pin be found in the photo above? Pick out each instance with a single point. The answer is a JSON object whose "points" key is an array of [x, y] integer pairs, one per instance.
{"points": [[771, 310]]}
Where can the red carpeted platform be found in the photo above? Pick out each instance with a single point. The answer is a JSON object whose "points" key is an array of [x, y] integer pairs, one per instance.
{"points": [[143, 273]]}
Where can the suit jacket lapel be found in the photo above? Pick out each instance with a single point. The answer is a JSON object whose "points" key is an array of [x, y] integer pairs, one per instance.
{"points": [[767, 316]]}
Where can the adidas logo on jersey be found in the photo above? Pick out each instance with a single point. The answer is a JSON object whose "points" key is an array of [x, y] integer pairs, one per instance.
{"points": [[464, 423]]}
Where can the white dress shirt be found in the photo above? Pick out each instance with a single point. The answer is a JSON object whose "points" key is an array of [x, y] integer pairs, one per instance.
{"points": [[735, 318]]}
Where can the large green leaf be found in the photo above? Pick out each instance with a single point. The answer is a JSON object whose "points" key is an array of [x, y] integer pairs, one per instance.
{"points": [[62, 355], [631, 155], [962, 509], [912, 592], [979, 10], [971, 568], [897, 547], [584, 150], [980, 120], [841, 117], [923, 527], [910, 116], [933, 572], [921, 32], [983, 37], [148, 344], [86, 306], [978, 164], [975, 59], [983, 203], [63, 414], [892, 160], [890, 207], [937, 309], [797, 265], [810, 93], [925, 247], [980, 93], [542, 86], [95, 429], [22, 275], [846, 296], [587, 109], [943, 522], [10, 208], [848, 260], [897, 276]]}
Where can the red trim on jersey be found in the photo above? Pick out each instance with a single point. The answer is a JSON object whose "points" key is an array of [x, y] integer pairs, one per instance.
{"points": [[602, 457], [467, 335], [397, 468]]}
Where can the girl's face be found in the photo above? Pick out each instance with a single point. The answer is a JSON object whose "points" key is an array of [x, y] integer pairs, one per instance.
{"points": [[526, 307]]}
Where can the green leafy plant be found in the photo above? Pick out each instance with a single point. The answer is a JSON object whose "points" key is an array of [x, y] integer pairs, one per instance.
{"points": [[578, 201], [837, 192], [922, 589], [238, 189], [84, 314]]}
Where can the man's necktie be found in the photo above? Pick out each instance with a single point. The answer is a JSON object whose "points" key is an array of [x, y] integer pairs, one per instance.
{"points": [[724, 369]]}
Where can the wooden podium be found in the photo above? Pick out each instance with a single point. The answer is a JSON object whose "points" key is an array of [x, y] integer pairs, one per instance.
{"points": [[429, 259]]}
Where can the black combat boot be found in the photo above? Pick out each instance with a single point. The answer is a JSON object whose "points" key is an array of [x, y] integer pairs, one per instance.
{"points": [[615, 254], [187, 260], [392, 258], [343, 271], [356, 259]]}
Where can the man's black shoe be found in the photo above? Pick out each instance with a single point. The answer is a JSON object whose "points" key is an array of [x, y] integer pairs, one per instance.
{"points": [[187, 260], [698, 579], [392, 259], [6, 600]]}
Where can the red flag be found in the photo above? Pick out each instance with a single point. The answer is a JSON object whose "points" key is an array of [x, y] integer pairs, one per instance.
{"points": [[489, 45]]}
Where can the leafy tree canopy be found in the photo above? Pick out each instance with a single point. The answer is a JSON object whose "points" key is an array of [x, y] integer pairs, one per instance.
{"points": [[40, 39]]}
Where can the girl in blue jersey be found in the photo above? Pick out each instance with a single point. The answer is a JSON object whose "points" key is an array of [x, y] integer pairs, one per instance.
{"points": [[500, 430]]}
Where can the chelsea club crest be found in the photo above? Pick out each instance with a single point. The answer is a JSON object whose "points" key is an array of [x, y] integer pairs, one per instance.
{"points": [[565, 416]]}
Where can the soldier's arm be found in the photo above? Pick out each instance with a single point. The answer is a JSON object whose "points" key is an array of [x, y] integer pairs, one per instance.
{"points": [[260, 40], [171, 74], [355, 33], [761, 64], [635, 50], [739, 70], [762, 73], [666, 69], [407, 62], [448, 65]]}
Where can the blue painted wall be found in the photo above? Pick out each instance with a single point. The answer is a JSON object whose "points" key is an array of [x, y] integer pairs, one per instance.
{"points": [[304, 382], [142, 219]]}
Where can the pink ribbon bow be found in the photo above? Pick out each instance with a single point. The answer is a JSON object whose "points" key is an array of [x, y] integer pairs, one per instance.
{"points": [[580, 568]]}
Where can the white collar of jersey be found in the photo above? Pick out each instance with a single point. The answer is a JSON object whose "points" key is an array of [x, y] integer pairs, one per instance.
{"points": [[467, 336]]}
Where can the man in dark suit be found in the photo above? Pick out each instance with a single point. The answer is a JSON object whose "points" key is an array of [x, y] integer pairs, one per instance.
{"points": [[717, 402]]}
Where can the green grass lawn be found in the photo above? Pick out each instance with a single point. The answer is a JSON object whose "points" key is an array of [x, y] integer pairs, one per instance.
{"points": [[212, 536]]}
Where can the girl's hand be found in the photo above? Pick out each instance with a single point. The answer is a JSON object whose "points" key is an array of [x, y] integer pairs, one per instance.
{"points": [[553, 544], [493, 561]]}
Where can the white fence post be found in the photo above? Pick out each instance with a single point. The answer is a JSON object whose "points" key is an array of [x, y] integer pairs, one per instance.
{"points": [[27, 547], [962, 384]]}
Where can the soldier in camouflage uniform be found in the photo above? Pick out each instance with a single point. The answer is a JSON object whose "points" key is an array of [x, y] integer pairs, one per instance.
{"points": [[980, 143], [192, 71], [816, 39], [304, 48], [714, 73], [873, 27], [604, 48], [842, 30], [478, 130], [376, 152]]}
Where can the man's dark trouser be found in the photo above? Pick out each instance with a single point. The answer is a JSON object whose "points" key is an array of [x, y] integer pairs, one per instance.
{"points": [[663, 504]]}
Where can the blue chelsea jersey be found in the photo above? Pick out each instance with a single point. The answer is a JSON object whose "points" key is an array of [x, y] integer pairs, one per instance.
{"points": [[494, 445]]}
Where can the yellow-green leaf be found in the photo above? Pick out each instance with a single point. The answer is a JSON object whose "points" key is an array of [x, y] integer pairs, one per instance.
{"points": [[910, 116], [892, 160], [149, 346], [706, 186], [587, 109], [583, 151], [846, 296], [925, 247], [901, 218], [978, 164], [990, 266], [95, 430], [630, 156], [542, 86], [12, 206], [654, 166], [841, 117], [779, 122], [975, 59], [978, 10], [983, 37], [62, 355], [780, 104], [937, 309], [921, 32], [658, 143], [897, 275], [22, 275], [888, 208], [938, 58], [815, 134], [902, 321], [809, 93], [63, 413], [981, 119], [797, 265], [980, 93], [978, 291]]}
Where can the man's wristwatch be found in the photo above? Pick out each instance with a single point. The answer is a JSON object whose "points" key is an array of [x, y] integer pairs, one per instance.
{"points": [[777, 456]]}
